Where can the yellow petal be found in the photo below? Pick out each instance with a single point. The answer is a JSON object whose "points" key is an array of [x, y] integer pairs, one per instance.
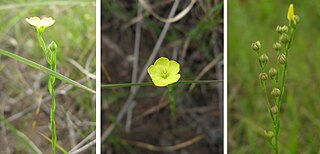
{"points": [[162, 63], [34, 21], [174, 67], [160, 82], [37, 22], [290, 13], [47, 22], [154, 72], [173, 78]]}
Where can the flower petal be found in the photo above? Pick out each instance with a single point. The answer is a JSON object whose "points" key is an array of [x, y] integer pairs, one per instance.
{"points": [[174, 67], [154, 72], [37, 22], [173, 78], [162, 63], [46, 22], [34, 21], [160, 82]]}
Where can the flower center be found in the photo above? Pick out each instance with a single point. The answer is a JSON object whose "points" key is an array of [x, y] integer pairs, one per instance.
{"points": [[165, 74]]}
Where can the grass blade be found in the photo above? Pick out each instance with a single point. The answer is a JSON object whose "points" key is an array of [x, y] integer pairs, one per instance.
{"points": [[45, 70], [21, 137]]}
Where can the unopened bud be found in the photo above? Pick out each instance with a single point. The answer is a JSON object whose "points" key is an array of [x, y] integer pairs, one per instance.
{"points": [[274, 109], [256, 46], [275, 92], [277, 46], [272, 72], [284, 38], [282, 59], [279, 29], [268, 134], [296, 18], [263, 76], [264, 59], [284, 29], [53, 46]]}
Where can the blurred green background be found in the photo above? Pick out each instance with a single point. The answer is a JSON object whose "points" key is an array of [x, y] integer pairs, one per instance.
{"points": [[252, 20], [21, 87]]}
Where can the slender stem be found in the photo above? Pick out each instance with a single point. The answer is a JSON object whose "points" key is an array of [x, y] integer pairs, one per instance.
{"points": [[51, 59], [279, 100], [123, 85], [172, 103], [52, 122]]}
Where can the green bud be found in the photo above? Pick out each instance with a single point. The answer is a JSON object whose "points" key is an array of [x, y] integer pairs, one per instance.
{"points": [[264, 59], [279, 29], [263, 76], [275, 92], [277, 46], [53, 46], [297, 18], [282, 59], [268, 134], [274, 109], [256, 46], [284, 38], [272, 72], [284, 29]]}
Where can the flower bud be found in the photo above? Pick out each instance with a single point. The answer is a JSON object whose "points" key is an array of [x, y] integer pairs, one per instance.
{"points": [[277, 46], [296, 18], [284, 38], [53, 46], [256, 46], [264, 59], [279, 29], [263, 76], [274, 109], [272, 72], [268, 134], [282, 59], [284, 29], [275, 92]]}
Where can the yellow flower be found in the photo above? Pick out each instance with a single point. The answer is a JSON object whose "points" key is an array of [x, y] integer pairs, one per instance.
{"points": [[164, 72], [38, 23], [291, 13]]}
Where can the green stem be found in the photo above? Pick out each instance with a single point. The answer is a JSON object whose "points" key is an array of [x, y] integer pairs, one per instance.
{"points": [[172, 103], [51, 59], [52, 121], [279, 100], [123, 85]]}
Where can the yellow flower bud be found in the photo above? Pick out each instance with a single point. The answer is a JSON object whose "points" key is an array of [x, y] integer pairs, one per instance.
{"points": [[291, 13]]}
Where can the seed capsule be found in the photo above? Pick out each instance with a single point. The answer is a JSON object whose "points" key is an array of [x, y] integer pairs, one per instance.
{"points": [[263, 76], [275, 92], [272, 73], [277, 46], [282, 59], [284, 38], [264, 58]]}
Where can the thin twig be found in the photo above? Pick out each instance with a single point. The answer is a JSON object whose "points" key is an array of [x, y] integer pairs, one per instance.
{"points": [[77, 147], [168, 148], [85, 147]]}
